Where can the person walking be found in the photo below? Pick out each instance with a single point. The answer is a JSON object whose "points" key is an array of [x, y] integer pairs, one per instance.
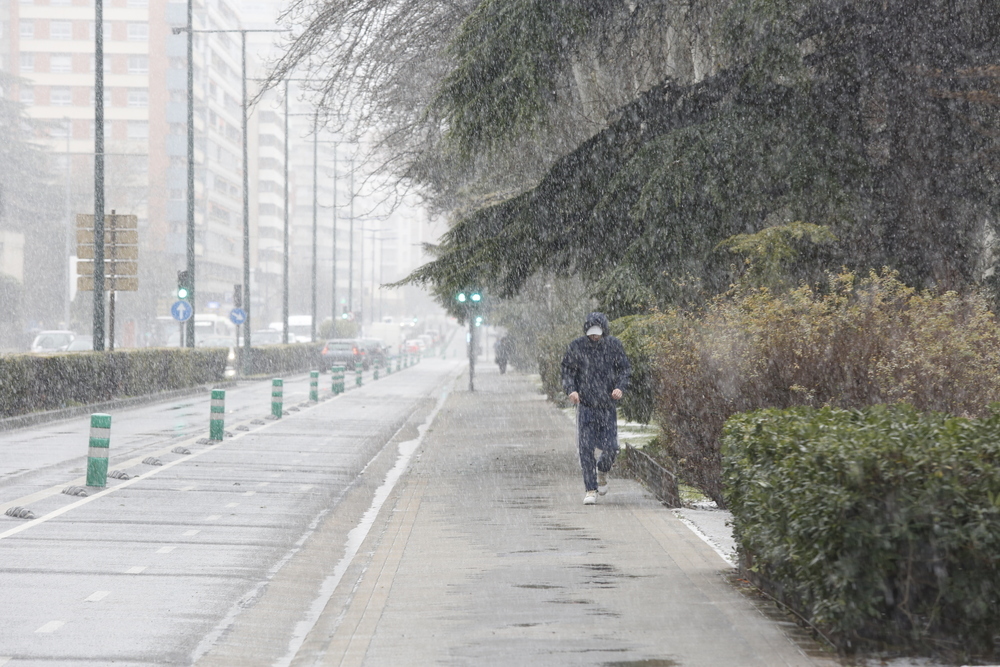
{"points": [[595, 375]]}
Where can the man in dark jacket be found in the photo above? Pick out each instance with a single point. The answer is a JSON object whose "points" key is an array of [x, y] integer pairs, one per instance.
{"points": [[595, 374]]}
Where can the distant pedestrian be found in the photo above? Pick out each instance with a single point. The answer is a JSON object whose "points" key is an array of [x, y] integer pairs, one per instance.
{"points": [[503, 349], [595, 374]]}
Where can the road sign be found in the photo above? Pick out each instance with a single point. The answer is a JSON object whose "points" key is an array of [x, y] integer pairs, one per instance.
{"points": [[237, 316], [121, 252], [181, 311], [115, 283]]}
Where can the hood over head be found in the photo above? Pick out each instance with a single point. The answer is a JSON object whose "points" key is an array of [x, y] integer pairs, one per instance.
{"points": [[597, 319]]}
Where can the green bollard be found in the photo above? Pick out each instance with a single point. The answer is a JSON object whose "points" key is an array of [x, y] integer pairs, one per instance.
{"points": [[399, 362], [357, 378], [314, 386], [375, 375], [217, 416], [97, 454], [339, 373], [277, 397]]}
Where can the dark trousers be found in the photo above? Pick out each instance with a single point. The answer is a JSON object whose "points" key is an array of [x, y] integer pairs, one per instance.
{"points": [[597, 428]]}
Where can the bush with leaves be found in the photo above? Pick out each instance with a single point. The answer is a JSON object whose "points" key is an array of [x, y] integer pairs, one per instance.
{"points": [[877, 525], [855, 343]]}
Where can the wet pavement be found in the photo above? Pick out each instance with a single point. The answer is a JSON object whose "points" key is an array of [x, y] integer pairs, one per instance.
{"points": [[465, 542]]}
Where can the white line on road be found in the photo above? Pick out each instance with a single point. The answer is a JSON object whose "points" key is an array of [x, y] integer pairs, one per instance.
{"points": [[187, 488], [135, 570], [305, 487], [233, 505], [165, 550], [213, 517], [263, 484], [95, 597], [4, 659], [50, 627], [191, 533], [249, 493]]}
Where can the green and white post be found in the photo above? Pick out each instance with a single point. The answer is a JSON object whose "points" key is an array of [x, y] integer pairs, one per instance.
{"points": [[357, 373], [314, 386], [375, 366], [217, 416], [97, 454], [277, 397], [337, 380]]}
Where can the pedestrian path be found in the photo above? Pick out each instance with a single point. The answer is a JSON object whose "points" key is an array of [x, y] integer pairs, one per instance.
{"points": [[484, 554]]}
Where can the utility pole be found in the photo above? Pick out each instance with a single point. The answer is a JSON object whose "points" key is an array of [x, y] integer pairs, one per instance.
{"points": [[98, 330], [190, 171]]}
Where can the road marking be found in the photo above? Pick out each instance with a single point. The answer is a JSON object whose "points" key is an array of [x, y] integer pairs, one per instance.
{"points": [[135, 570], [233, 505], [275, 474], [4, 659], [249, 493], [263, 484], [50, 627], [213, 517], [95, 597], [191, 533], [305, 487], [165, 550], [187, 488]]}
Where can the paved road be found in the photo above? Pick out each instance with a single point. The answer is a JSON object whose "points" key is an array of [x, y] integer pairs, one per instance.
{"points": [[153, 570]]}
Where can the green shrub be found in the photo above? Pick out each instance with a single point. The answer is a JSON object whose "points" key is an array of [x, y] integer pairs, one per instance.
{"points": [[30, 383], [854, 344], [879, 525], [277, 359]]}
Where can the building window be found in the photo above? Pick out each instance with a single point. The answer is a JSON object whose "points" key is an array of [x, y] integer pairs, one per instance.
{"points": [[138, 129], [60, 96], [138, 97], [27, 29], [60, 63], [27, 95], [107, 97], [138, 32], [107, 63], [138, 65], [60, 30], [27, 62]]}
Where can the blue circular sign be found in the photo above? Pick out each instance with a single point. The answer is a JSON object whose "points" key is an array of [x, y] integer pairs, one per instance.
{"points": [[181, 311], [237, 316]]}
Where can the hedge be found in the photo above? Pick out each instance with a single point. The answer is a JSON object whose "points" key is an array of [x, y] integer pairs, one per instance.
{"points": [[879, 525], [851, 343], [30, 383], [277, 359]]}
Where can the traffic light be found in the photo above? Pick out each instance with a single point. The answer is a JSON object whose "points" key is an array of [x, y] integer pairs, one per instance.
{"points": [[470, 297], [479, 320], [183, 285], [344, 314]]}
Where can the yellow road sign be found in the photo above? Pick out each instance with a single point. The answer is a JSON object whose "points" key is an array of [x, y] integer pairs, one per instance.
{"points": [[86, 221], [86, 284], [128, 236], [111, 268], [120, 251]]}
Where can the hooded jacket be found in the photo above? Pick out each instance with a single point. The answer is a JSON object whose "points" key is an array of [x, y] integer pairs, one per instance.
{"points": [[594, 370]]}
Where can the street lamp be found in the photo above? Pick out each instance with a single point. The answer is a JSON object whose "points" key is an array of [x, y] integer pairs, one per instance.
{"points": [[246, 167]]}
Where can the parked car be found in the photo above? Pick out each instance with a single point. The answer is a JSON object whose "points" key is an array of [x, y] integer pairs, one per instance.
{"points": [[81, 344], [52, 341], [265, 337], [340, 352]]}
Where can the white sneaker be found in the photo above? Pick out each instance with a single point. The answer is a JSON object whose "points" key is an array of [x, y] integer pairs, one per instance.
{"points": [[602, 482], [590, 498]]}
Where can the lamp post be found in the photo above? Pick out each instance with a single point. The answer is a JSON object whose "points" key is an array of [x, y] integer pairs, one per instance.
{"points": [[246, 164], [98, 328]]}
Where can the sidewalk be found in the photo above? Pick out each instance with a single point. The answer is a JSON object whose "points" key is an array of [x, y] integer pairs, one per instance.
{"points": [[485, 555]]}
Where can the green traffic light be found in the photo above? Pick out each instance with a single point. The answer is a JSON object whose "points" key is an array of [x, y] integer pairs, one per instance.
{"points": [[461, 297], [182, 292], [476, 296]]}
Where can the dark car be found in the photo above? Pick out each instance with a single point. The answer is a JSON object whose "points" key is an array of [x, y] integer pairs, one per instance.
{"points": [[341, 352], [373, 351]]}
